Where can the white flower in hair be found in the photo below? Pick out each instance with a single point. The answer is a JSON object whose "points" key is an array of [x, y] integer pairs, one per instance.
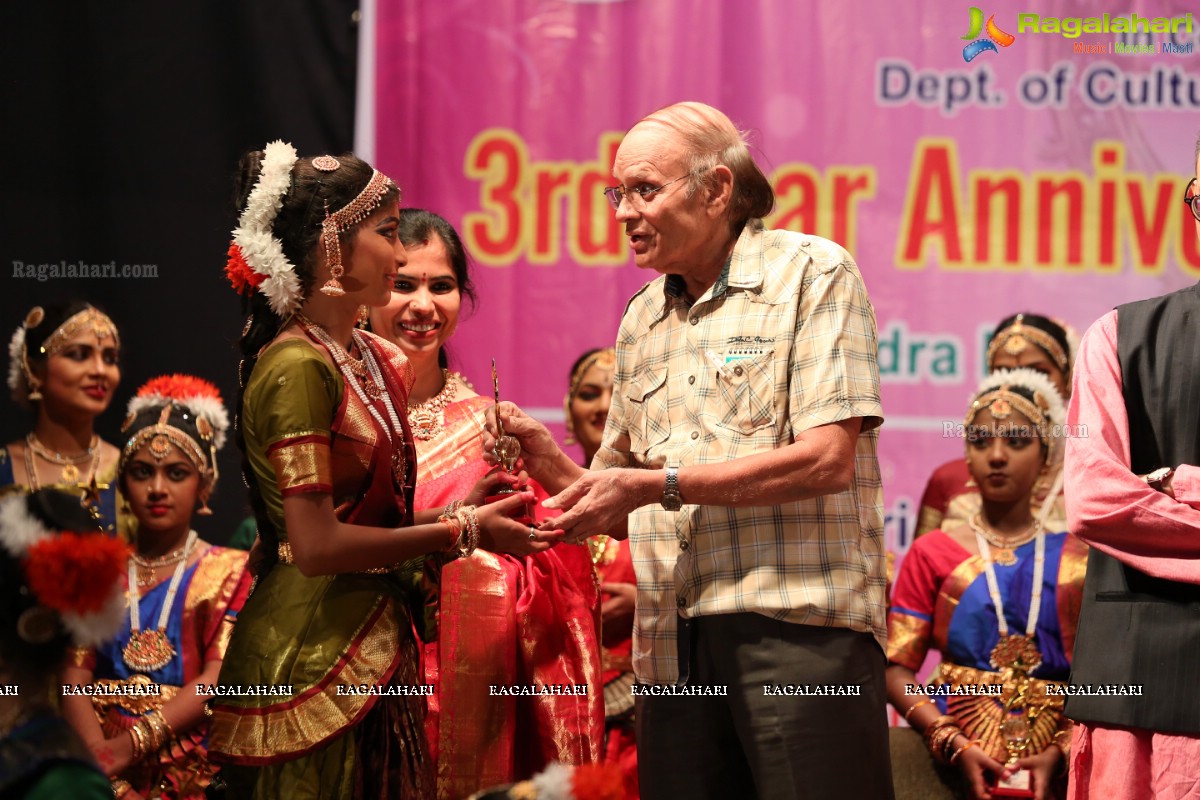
{"points": [[196, 394], [16, 352], [1036, 382], [96, 628], [19, 530], [554, 783], [254, 236]]}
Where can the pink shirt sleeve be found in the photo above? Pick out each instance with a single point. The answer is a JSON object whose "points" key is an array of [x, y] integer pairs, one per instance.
{"points": [[1186, 485], [1108, 506]]}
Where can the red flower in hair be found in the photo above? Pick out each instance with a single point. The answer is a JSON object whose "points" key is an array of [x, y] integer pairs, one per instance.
{"points": [[601, 781], [75, 572], [179, 387], [240, 273]]}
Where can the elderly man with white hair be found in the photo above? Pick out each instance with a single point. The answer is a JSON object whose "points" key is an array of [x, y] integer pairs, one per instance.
{"points": [[740, 456]]}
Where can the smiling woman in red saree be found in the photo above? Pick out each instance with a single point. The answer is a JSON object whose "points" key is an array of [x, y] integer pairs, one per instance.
{"points": [[496, 620]]}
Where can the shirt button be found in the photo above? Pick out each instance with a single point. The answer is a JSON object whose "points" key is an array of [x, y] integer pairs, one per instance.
{"points": [[691, 379], [695, 434], [695, 320], [684, 545], [737, 371], [681, 601]]}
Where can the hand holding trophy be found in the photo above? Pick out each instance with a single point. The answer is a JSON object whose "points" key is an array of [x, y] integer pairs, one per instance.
{"points": [[1017, 656], [507, 449]]}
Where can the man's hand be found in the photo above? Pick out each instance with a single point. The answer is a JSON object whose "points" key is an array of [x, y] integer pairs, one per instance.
{"points": [[600, 502], [540, 454]]}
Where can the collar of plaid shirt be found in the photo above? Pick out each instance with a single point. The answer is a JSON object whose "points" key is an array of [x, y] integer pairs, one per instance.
{"points": [[750, 276]]}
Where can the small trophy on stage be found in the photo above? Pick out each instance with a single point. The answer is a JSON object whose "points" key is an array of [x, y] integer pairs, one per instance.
{"points": [[1017, 726], [507, 449], [1015, 730]]}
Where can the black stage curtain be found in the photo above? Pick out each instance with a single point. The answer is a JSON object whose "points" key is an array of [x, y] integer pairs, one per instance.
{"points": [[123, 126]]}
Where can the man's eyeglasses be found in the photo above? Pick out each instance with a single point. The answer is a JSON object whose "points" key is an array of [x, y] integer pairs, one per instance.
{"points": [[643, 191], [1192, 200]]}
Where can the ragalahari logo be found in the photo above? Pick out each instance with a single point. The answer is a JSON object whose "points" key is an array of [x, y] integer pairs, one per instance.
{"points": [[995, 36]]}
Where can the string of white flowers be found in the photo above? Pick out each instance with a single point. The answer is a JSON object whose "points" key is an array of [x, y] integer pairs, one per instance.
{"points": [[261, 249], [16, 359]]}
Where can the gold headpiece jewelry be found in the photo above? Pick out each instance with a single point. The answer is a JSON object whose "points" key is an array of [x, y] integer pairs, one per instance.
{"points": [[159, 437], [92, 318], [198, 401], [20, 370], [606, 357], [342, 220], [1003, 401], [1016, 338], [326, 164]]}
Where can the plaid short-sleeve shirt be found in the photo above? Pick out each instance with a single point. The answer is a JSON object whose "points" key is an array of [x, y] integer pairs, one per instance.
{"points": [[784, 341]]}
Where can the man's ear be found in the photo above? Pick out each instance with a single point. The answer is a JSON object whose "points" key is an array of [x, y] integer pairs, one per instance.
{"points": [[719, 190]]}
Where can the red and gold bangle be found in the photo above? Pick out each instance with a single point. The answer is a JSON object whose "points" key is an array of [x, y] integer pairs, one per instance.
{"points": [[454, 529], [961, 750], [138, 750], [940, 734], [914, 707], [163, 733], [470, 525]]}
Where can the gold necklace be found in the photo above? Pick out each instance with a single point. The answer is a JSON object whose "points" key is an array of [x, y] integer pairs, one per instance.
{"points": [[428, 419], [1016, 652], [147, 574], [1005, 555], [70, 472], [370, 393], [150, 649], [341, 356]]}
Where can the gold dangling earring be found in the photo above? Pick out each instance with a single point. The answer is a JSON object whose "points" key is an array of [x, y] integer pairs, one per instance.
{"points": [[364, 317], [333, 286], [35, 392], [333, 257], [570, 423], [204, 510], [971, 484]]}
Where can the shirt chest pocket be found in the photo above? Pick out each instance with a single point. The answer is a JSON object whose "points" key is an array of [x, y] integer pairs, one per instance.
{"points": [[646, 397], [747, 392]]}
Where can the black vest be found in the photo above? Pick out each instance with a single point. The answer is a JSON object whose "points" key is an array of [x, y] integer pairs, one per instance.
{"points": [[1135, 629]]}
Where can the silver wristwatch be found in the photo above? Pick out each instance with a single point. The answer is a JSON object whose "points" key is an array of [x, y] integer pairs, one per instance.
{"points": [[671, 499], [1155, 479]]}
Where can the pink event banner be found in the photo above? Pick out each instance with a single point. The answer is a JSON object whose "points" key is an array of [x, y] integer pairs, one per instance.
{"points": [[1044, 174]]}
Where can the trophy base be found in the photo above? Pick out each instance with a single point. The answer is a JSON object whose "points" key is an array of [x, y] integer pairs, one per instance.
{"points": [[1016, 785]]}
